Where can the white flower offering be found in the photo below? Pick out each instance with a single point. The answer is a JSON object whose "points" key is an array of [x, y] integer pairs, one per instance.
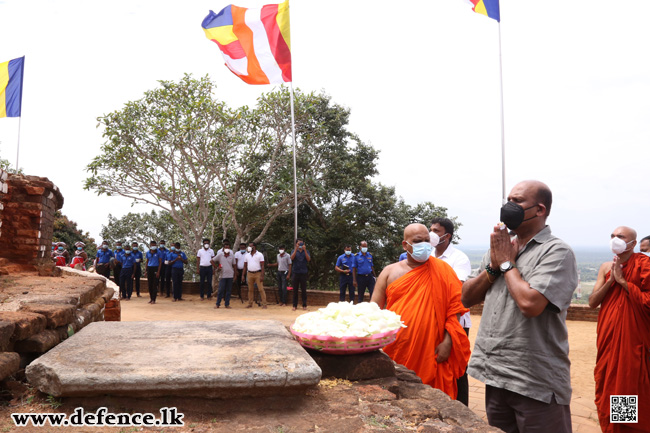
{"points": [[343, 319]]}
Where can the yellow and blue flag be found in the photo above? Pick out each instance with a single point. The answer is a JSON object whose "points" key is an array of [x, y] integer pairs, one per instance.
{"points": [[11, 87], [489, 8]]}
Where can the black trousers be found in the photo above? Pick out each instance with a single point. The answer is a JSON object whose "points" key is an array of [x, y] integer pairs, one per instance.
{"points": [[299, 280], [239, 282], [463, 384], [177, 279], [117, 273], [152, 281], [345, 285], [138, 275], [163, 278], [104, 269], [169, 280], [365, 282], [126, 283], [205, 281]]}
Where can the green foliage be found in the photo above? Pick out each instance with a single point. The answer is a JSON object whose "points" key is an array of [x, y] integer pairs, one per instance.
{"points": [[54, 402], [218, 172], [66, 231]]}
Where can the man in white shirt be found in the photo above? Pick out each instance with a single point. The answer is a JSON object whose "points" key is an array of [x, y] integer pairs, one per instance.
{"points": [[204, 268], [254, 270], [460, 263]]}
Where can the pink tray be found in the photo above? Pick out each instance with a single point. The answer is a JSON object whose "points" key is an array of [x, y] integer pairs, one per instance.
{"points": [[344, 345]]}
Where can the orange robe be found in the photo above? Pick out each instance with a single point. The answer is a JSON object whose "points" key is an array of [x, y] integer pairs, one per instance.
{"points": [[428, 299], [623, 360]]}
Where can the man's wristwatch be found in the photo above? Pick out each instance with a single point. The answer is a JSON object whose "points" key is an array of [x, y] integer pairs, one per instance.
{"points": [[506, 266]]}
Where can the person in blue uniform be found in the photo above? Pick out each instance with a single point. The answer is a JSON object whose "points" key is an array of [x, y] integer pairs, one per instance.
{"points": [[176, 259], [165, 270], [344, 268], [402, 256], [127, 272], [138, 266], [154, 264], [117, 263], [363, 271], [103, 260]]}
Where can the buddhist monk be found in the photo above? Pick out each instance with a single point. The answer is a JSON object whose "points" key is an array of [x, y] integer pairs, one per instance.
{"points": [[623, 333], [425, 291]]}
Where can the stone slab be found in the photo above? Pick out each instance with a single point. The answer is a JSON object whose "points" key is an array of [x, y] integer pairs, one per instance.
{"points": [[6, 331], [222, 359], [57, 315], [9, 364], [26, 324]]}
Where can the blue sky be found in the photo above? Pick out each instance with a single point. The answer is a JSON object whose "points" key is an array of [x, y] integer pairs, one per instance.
{"points": [[420, 77]]}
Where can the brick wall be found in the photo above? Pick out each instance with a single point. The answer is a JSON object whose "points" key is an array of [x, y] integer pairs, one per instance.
{"points": [[27, 206]]}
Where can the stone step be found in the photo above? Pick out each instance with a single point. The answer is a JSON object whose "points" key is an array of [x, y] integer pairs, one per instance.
{"points": [[201, 359]]}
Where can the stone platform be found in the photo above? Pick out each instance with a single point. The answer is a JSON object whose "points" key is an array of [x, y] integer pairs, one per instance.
{"points": [[195, 359]]}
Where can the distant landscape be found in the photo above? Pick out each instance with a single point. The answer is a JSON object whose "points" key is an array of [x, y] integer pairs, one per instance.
{"points": [[589, 261]]}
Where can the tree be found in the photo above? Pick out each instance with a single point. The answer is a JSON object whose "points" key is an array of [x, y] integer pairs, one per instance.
{"points": [[160, 150], [67, 231], [141, 228], [210, 166]]}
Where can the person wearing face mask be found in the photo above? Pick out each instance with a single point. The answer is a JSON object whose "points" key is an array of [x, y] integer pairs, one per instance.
{"points": [[61, 255], [103, 260], [240, 276], [521, 351], [300, 257], [622, 291], [204, 269], [137, 254], [154, 264], [165, 269], [363, 272], [644, 245], [443, 230], [226, 261], [127, 272], [117, 263], [254, 268], [283, 273], [80, 257], [425, 292], [344, 267]]}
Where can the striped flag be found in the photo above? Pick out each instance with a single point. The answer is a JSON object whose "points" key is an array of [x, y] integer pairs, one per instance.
{"points": [[255, 43], [489, 8], [11, 87]]}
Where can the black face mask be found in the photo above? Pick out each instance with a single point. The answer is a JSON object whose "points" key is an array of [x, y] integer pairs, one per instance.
{"points": [[512, 215]]}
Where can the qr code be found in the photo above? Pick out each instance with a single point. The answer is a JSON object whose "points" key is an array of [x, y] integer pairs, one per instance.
{"points": [[623, 409]]}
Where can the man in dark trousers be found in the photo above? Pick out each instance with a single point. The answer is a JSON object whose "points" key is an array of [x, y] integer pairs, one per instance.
{"points": [[300, 258], [138, 266], [363, 271], [177, 259], [127, 272], [154, 264], [344, 268]]}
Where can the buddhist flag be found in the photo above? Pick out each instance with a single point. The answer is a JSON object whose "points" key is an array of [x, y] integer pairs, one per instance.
{"points": [[255, 42], [11, 87], [489, 8]]}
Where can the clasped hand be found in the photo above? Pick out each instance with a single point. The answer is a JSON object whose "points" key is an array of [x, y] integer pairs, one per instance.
{"points": [[502, 249]]}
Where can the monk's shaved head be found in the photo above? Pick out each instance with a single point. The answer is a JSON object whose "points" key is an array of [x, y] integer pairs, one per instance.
{"points": [[629, 234], [415, 231]]}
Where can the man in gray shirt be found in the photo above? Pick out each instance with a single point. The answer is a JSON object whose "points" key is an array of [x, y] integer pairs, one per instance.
{"points": [[283, 273], [522, 349], [226, 261]]}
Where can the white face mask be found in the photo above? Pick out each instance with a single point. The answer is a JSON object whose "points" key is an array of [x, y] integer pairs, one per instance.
{"points": [[281, 251], [618, 245], [226, 250], [206, 246], [249, 249], [434, 239]]}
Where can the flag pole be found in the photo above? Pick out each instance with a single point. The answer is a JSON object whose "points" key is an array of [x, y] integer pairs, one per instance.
{"points": [[503, 140], [295, 181], [18, 146]]}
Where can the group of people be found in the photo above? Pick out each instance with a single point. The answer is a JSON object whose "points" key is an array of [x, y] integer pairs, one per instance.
{"points": [[525, 281], [164, 268], [61, 256]]}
